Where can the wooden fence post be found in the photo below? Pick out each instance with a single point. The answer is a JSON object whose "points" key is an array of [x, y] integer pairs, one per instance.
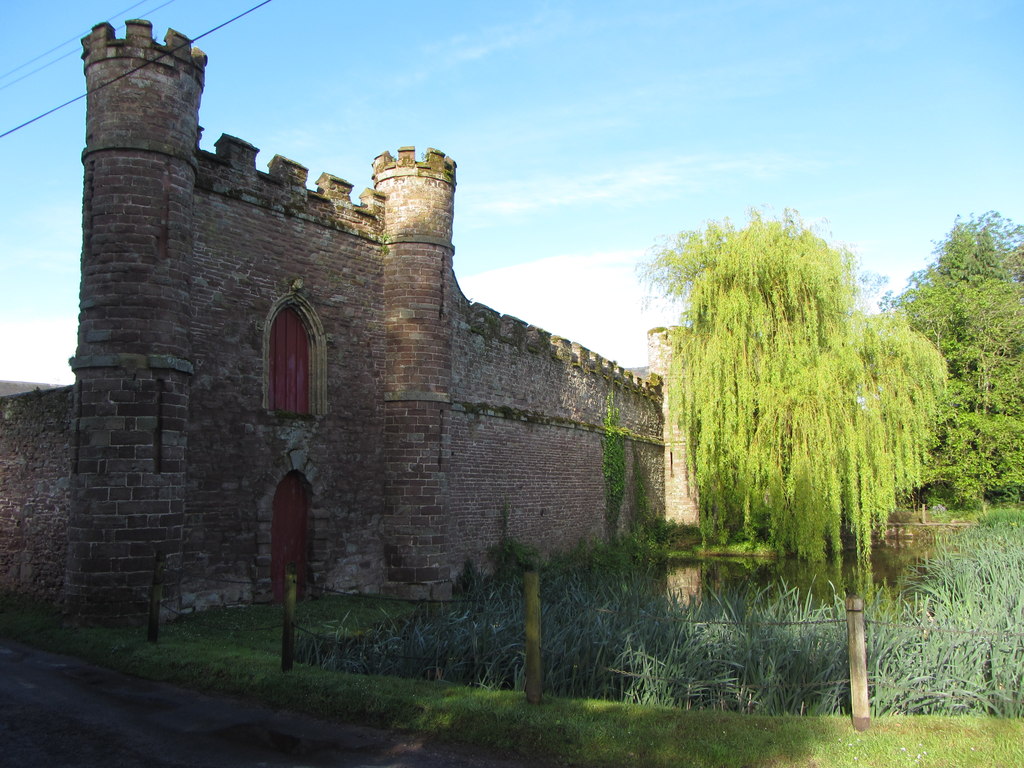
{"points": [[288, 628], [534, 674], [156, 595], [859, 705]]}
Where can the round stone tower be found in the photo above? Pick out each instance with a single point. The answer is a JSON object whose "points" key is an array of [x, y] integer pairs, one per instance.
{"points": [[132, 365], [418, 286], [680, 489]]}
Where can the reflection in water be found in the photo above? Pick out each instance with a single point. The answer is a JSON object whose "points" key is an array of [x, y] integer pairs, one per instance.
{"points": [[890, 566], [683, 583]]}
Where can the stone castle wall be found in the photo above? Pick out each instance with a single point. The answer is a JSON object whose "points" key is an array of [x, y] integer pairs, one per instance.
{"points": [[680, 489], [435, 426], [262, 239], [526, 440], [35, 466]]}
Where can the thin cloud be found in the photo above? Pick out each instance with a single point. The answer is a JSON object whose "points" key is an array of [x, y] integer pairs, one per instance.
{"points": [[638, 182], [488, 41]]}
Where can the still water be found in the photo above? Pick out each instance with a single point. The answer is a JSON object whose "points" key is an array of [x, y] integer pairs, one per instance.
{"points": [[890, 566]]}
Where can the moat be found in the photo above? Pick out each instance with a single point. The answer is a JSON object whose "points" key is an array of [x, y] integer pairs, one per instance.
{"points": [[891, 564]]}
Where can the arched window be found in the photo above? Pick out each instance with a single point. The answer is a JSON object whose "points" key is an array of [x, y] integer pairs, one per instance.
{"points": [[295, 353], [288, 384]]}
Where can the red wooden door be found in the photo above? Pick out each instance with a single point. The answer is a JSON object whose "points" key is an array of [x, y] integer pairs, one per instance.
{"points": [[289, 363], [288, 532]]}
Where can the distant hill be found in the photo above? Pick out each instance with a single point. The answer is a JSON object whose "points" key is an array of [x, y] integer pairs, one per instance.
{"points": [[17, 387]]}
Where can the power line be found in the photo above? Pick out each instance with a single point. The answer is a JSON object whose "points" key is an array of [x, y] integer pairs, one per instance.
{"points": [[187, 43], [74, 40], [72, 51]]}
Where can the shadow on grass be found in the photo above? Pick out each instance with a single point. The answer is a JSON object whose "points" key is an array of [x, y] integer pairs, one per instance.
{"points": [[234, 652]]}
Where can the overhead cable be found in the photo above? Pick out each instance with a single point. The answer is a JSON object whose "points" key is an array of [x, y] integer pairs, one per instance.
{"points": [[130, 72]]}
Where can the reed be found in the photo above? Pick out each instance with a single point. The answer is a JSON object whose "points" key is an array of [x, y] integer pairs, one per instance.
{"points": [[956, 644], [952, 644], [1007, 515]]}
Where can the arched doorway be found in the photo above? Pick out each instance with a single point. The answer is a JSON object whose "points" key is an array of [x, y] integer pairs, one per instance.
{"points": [[288, 532]]}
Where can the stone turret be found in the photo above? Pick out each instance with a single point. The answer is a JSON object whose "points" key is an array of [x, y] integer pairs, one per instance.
{"points": [[418, 289], [132, 364], [680, 490]]}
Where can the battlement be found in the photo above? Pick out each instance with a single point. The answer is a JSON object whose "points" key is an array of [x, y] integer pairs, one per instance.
{"points": [[446, 425], [231, 171], [138, 42], [435, 164], [524, 337]]}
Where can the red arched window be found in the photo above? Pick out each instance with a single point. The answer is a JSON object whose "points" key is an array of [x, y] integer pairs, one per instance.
{"points": [[289, 364]]}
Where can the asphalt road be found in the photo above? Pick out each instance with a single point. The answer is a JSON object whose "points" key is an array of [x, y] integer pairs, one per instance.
{"points": [[60, 712]]}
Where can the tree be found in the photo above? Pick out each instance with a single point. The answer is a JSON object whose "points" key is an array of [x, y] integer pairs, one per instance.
{"points": [[970, 302], [804, 417]]}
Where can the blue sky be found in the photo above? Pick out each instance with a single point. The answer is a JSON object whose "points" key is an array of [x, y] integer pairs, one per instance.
{"points": [[584, 132]]}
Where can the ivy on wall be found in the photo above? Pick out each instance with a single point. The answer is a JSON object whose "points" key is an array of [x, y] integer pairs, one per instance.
{"points": [[641, 504], [613, 465]]}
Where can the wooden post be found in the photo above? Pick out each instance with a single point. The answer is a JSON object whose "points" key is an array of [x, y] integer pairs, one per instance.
{"points": [[534, 674], [156, 595], [288, 628], [859, 705]]}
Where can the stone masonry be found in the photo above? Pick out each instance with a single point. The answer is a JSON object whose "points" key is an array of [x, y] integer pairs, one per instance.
{"points": [[434, 426]]}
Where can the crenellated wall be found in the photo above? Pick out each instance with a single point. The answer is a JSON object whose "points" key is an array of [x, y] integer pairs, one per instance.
{"points": [[430, 427], [527, 420], [263, 240], [231, 172]]}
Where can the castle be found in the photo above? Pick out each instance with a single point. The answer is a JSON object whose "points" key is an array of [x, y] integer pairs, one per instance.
{"points": [[267, 374]]}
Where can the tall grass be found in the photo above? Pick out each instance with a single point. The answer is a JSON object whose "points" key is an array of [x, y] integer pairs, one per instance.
{"points": [[951, 644], [619, 640], [956, 645], [1008, 515]]}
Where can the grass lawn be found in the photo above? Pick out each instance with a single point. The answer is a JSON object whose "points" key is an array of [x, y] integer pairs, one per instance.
{"points": [[237, 651]]}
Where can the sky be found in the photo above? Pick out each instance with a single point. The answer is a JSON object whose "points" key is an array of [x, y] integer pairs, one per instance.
{"points": [[586, 133]]}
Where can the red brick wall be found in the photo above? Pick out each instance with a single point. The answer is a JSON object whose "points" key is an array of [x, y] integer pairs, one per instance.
{"points": [[526, 437], [35, 461], [419, 200]]}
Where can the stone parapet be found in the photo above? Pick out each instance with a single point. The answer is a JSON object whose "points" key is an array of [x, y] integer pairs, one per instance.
{"points": [[143, 95], [231, 171], [523, 337], [419, 196]]}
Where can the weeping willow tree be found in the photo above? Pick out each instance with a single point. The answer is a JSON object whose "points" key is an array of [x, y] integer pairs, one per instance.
{"points": [[804, 416]]}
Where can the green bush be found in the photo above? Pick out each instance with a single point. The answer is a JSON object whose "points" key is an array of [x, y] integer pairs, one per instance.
{"points": [[1009, 516]]}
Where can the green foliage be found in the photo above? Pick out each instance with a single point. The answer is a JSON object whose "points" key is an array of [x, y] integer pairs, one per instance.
{"points": [[513, 556], [970, 302], [613, 466], [982, 248], [952, 646], [957, 647], [803, 415], [1008, 516], [641, 504], [510, 556], [647, 544], [564, 731]]}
